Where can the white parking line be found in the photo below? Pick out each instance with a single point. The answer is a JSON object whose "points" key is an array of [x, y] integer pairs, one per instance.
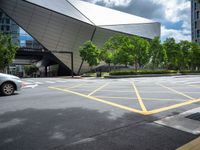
{"points": [[29, 80], [50, 82], [39, 83], [61, 81]]}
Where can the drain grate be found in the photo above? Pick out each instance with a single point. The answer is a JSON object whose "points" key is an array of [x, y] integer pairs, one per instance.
{"points": [[195, 116]]}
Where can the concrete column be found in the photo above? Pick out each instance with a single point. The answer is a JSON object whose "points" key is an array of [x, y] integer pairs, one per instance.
{"points": [[46, 71]]}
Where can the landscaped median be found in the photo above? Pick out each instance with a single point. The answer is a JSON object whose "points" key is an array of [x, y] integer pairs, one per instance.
{"points": [[149, 73]]}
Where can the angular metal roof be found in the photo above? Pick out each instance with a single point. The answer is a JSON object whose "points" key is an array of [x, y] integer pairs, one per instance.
{"points": [[62, 7], [100, 15], [90, 13]]}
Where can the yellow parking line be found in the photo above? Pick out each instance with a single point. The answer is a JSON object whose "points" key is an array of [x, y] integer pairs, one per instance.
{"points": [[101, 100], [193, 145], [163, 99], [98, 89], [139, 98], [175, 91], [173, 106], [114, 97], [196, 86]]}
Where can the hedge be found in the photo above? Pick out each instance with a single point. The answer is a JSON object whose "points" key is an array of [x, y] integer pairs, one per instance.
{"points": [[139, 72]]}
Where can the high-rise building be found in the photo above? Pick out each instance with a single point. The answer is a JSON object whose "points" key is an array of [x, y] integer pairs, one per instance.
{"points": [[195, 22], [8, 26]]}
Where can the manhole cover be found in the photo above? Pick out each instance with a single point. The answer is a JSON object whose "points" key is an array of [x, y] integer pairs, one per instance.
{"points": [[195, 116]]}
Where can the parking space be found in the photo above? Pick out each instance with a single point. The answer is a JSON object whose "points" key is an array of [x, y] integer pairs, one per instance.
{"points": [[135, 95]]}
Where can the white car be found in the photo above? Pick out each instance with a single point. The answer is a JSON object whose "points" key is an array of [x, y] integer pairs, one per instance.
{"points": [[9, 84]]}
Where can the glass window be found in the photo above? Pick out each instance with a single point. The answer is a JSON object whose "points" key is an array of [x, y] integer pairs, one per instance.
{"points": [[195, 5], [198, 33], [197, 15], [7, 28], [2, 28], [2, 21], [195, 24], [8, 21]]}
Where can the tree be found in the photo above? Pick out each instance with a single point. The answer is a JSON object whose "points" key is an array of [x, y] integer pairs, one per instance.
{"points": [[185, 47], [173, 53], [107, 57], [117, 50], [31, 69], [194, 55], [7, 51], [140, 52], [158, 56], [89, 53]]}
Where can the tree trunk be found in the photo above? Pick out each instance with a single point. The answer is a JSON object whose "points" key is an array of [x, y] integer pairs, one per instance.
{"points": [[79, 70], [109, 67]]}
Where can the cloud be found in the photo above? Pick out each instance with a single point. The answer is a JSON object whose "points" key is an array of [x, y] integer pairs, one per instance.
{"points": [[174, 12], [112, 3], [177, 34]]}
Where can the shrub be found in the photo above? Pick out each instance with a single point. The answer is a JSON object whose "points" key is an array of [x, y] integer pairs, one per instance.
{"points": [[139, 72]]}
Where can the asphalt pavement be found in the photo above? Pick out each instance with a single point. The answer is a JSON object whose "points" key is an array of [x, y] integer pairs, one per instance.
{"points": [[100, 114]]}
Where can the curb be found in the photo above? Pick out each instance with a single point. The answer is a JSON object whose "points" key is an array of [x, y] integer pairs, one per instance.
{"points": [[149, 75]]}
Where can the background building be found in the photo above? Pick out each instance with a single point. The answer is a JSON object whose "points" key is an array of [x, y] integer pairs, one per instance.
{"points": [[27, 41], [8, 26], [195, 22]]}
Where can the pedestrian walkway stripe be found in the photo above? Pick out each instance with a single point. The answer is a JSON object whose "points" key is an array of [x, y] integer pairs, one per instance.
{"points": [[139, 97]]}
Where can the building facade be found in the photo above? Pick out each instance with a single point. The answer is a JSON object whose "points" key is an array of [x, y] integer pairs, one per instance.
{"points": [[195, 20], [64, 25], [8, 26]]}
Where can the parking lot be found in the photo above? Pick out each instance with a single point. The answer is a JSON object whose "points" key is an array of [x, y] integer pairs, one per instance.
{"points": [[90, 113], [142, 96]]}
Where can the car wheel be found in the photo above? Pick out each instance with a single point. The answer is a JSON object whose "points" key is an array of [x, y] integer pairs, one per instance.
{"points": [[7, 89]]}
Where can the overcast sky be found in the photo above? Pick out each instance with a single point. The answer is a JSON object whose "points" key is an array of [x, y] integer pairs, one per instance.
{"points": [[174, 15]]}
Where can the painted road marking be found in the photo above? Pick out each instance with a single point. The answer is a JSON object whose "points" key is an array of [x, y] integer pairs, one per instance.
{"points": [[38, 83], [163, 99], [155, 111], [196, 86], [139, 98], [114, 97], [193, 145], [61, 81], [50, 82], [98, 89], [29, 80], [181, 122], [144, 111], [101, 100], [150, 99], [175, 91]]}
